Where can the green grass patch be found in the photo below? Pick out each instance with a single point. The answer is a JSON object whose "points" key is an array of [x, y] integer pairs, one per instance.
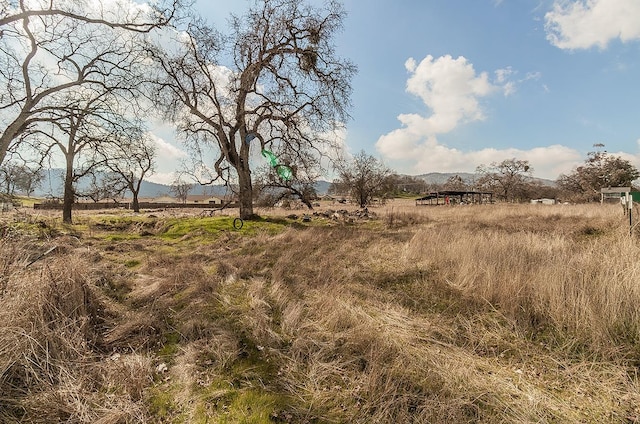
{"points": [[249, 406], [132, 263], [121, 237], [170, 346], [214, 226], [162, 406]]}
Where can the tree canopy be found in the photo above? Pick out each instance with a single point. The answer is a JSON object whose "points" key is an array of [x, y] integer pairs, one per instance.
{"points": [[364, 178], [600, 170], [507, 178], [274, 81]]}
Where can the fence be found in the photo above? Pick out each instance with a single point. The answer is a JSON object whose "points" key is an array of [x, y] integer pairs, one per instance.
{"points": [[114, 205]]}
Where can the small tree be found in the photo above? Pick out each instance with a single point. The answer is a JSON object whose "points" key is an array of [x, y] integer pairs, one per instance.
{"points": [[600, 170], [9, 173], [22, 177], [365, 177], [507, 178], [102, 186], [129, 160], [180, 189]]}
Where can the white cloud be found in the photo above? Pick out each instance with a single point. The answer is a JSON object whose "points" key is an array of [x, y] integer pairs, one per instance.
{"points": [[450, 88], [168, 157], [166, 150], [633, 158], [583, 24], [453, 91], [165, 178], [432, 156]]}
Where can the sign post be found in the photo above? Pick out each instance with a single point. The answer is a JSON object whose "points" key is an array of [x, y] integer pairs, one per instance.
{"points": [[629, 200]]}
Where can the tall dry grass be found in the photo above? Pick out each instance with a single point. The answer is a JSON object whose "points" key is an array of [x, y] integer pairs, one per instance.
{"points": [[501, 314], [494, 313], [568, 269], [51, 366]]}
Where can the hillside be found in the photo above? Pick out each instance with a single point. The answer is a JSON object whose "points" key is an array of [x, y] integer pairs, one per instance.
{"points": [[473, 314], [442, 177], [52, 186]]}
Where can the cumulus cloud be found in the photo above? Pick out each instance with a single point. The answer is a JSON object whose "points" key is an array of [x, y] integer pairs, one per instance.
{"points": [[431, 156], [450, 88], [633, 158], [453, 92], [166, 178], [168, 156], [583, 24], [166, 150]]}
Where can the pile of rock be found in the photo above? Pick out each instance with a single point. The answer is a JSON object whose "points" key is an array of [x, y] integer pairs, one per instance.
{"points": [[347, 216]]}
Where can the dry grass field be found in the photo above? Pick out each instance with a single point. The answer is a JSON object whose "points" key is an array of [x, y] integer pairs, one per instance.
{"points": [[465, 314]]}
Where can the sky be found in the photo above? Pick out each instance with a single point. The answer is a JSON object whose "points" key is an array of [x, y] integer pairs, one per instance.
{"points": [[448, 85]]}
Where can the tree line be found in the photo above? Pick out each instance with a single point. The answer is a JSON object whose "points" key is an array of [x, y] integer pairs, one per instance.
{"points": [[82, 80], [511, 180]]}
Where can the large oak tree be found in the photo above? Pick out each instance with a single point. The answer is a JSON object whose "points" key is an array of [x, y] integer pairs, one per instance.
{"points": [[508, 179], [600, 170], [273, 81]]}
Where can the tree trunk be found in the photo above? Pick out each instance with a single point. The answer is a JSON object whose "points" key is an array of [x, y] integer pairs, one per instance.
{"points": [[246, 191], [67, 202], [10, 134], [135, 190], [135, 204]]}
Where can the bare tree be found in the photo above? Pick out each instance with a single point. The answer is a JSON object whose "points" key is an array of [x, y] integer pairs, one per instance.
{"points": [[9, 175], [92, 123], [365, 177], [50, 48], [138, 19], [282, 88], [102, 186], [180, 189], [129, 161], [102, 68]]}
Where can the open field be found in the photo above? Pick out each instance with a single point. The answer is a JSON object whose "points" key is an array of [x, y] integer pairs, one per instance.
{"points": [[492, 313]]}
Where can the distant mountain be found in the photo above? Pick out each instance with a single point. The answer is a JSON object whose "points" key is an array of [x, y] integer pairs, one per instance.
{"points": [[442, 177], [322, 187], [52, 186], [468, 177]]}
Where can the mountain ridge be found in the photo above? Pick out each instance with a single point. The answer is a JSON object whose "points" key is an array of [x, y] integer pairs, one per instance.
{"points": [[51, 185]]}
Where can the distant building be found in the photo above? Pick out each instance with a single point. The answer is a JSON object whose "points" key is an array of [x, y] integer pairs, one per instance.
{"points": [[448, 197], [204, 200], [543, 201]]}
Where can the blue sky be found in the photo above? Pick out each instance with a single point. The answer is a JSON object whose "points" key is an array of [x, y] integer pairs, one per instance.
{"points": [[447, 85]]}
